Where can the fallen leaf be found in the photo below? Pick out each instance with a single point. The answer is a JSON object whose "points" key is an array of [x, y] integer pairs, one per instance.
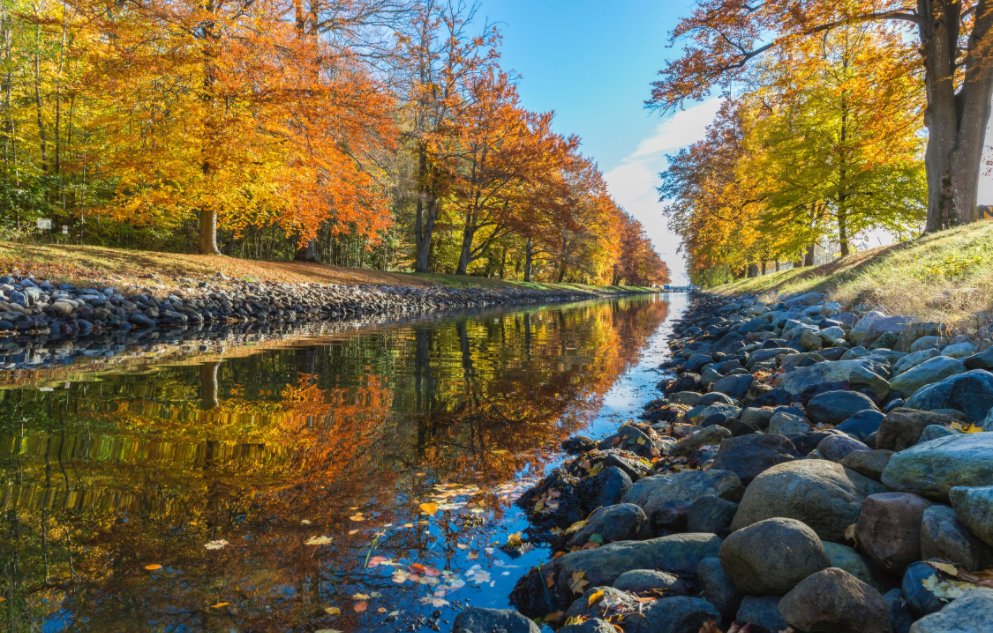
{"points": [[595, 597], [219, 605], [578, 582], [319, 540], [360, 607], [332, 610], [428, 508], [215, 545], [153, 567]]}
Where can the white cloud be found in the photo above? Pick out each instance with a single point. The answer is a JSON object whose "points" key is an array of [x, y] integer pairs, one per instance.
{"points": [[633, 182]]}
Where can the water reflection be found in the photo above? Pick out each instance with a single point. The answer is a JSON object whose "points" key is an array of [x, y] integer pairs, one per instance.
{"points": [[355, 484]]}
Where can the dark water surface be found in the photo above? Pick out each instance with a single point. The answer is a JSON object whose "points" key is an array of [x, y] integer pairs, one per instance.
{"points": [[359, 482]]}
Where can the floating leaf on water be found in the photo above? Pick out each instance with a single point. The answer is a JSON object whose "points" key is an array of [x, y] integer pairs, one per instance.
{"points": [[328, 631], [360, 596], [332, 610], [220, 605], [153, 567], [514, 540], [428, 508], [319, 540], [434, 601], [358, 517], [360, 607], [215, 545]]}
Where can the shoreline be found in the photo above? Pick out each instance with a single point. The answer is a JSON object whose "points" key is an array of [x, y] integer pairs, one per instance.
{"points": [[804, 467], [35, 310]]}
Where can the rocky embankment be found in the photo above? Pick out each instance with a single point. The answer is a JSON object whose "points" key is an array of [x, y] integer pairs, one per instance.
{"points": [[58, 311], [808, 469]]}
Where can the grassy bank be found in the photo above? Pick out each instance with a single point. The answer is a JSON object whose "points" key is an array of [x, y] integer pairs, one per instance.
{"points": [[946, 276], [124, 268]]}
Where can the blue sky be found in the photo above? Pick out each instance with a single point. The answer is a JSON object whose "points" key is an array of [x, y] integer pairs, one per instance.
{"points": [[592, 62]]}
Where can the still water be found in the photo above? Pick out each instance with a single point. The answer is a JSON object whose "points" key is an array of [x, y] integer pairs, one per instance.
{"points": [[359, 482]]}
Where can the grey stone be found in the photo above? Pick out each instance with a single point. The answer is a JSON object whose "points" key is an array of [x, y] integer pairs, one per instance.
{"points": [[931, 469], [974, 507], [736, 386], [824, 495], [902, 427], [804, 378], [969, 613], [699, 438], [970, 392], [650, 580], [869, 463], [846, 558], [834, 407], [594, 625], [944, 537], [836, 447], [928, 372], [770, 557], [678, 614], [914, 359], [786, 423], [981, 360], [863, 424], [677, 553], [710, 513], [476, 620], [716, 587], [601, 601], [749, 455], [889, 529], [762, 611], [963, 349], [834, 601], [621, 522], [934, 431], [665, 498]]}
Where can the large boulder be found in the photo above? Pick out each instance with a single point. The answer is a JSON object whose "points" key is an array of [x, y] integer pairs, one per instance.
{"points": [[716, 587], [665, 498], [762, 612], [868, 463], [710, 514], [974, 507], [748, 455], [834, 601], [928, 372], [824, 495], [621, 522], [677, 553], [836, 447], [700, 438], [970, 392], [889, 529], [875, 324], [834, 407], [862, 371], [476, 620], [736, 386], [932, 468], [770, 557], [970, 613], [902, 427], [945, 537]]}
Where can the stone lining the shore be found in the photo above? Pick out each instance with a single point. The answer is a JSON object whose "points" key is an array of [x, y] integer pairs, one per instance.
{"points": [[58, 311], [808, 469]]}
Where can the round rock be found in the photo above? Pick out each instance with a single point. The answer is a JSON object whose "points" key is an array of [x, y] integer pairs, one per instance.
{"points": [[834, 601], [770, 557]]}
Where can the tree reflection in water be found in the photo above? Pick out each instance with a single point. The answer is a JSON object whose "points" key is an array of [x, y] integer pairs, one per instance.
{"points": [[266, 492]]}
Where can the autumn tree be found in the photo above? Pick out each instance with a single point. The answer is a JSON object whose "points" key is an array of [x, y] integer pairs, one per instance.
{"points": [[722, 37]]}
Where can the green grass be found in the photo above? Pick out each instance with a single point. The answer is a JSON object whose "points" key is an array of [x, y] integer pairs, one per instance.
{"points": [[946, 276]]}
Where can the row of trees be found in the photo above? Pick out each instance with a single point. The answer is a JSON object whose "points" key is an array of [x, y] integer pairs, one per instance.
{"points": [[839, 118], [364, 132]]}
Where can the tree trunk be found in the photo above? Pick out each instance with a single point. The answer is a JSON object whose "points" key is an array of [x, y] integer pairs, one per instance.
{"points": [[808, 257], [843, 230], [528, 258], [465, 255], [427, 213], [308, 253], [956, 122], [208, 232]]}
